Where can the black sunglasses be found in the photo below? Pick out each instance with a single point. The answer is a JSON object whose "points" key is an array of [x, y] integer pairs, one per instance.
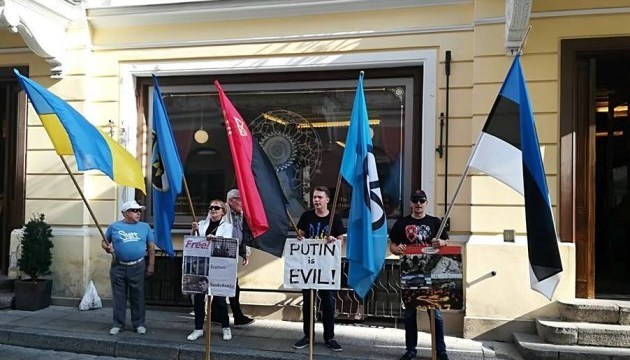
{"points": [[135, 210], [421, 201], [214, 208]]}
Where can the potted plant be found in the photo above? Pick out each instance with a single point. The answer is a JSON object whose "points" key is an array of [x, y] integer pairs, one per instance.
{"points": [[35, 260]]}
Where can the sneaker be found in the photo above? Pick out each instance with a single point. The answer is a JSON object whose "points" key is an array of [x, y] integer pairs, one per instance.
{"points": [[333, 345], [227, 334], [196, 334], [114, 331], [141, 330], [408, 355], [243, 321], [442, 356], [301, 344]]}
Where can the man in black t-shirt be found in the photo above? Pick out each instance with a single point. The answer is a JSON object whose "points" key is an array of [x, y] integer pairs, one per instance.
{"points": [[419, 228], [314, 224]]}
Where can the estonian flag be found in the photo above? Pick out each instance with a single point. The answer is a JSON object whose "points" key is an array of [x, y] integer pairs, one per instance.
{"points": [[264, 203], [167, 173], [367, 225], [508, 150]]}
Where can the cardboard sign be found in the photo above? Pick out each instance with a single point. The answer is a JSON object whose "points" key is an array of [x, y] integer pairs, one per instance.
{"points": [[432, 277], [312, 264], [209, 266]]}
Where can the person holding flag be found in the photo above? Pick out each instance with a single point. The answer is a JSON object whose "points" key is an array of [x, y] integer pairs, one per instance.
{"points": [[130, 239], [314, 224], [418, 228]]}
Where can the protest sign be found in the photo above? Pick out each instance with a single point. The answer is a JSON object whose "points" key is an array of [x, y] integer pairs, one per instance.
{"points": [[209, 266], [432, 277], [312, 264]]}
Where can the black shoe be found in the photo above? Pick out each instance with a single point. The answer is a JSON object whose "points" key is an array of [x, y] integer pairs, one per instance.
{"points": [[442, 356], [301, 344], [333, 345], [408, 355], [243, 321]]}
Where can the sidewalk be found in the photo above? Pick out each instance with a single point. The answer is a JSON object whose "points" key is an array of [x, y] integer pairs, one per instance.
{"points": [[68, 329]]}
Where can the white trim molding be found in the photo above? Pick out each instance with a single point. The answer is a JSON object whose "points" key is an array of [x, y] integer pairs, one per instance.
{"points": [[427, 58], [517, 14], [42, 25]]}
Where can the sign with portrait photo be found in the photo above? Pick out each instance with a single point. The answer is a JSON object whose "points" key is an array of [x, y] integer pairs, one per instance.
{"points": [[312, 264], [209, 266], [432, 277]]}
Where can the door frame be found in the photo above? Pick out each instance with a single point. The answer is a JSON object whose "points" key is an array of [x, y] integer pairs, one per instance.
{"points": [[577, 155], [15, 164]]}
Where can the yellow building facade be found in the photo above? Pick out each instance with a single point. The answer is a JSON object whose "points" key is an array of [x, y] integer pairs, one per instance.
{"points": [[98, 56]]}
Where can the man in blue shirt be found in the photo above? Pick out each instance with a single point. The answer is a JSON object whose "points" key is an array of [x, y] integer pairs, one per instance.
{"points": [[129, 240]]}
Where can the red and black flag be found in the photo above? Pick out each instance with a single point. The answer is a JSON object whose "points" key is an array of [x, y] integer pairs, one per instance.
{"points": [[264, 203]]}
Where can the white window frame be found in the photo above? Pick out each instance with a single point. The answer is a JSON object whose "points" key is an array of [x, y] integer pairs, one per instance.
{"points": [[427, 58]]}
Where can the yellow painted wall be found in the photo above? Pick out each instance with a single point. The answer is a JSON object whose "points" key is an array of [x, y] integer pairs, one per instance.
{"points": [[483, 208]]}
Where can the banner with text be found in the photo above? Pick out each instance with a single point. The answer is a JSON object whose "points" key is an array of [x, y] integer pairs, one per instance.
{"points": [[312, 264], [209, 266], [432, 277]]}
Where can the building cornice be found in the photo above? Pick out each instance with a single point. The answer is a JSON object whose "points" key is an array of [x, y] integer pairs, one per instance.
{"points": [[220, 10], [42, 25]]}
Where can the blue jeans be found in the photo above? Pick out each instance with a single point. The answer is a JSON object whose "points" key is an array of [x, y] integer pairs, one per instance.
{"points": [[411, 330], [328, 312], [128, 278]]}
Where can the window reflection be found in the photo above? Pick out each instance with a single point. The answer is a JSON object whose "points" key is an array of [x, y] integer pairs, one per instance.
{"points": [[302, 128]]}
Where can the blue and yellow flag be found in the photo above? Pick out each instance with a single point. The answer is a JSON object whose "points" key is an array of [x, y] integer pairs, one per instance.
{"points": [[72, 134], [167, 173], [367, 225]]}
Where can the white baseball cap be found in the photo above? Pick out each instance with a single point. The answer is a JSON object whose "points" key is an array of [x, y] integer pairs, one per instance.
{"points": [[131, 205]]}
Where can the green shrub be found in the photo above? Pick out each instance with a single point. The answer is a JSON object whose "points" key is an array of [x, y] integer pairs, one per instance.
{"points": [[36, 256]]}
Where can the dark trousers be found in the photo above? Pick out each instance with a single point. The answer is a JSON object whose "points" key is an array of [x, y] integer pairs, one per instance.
{"points": [[218, 311], [218, 303], [328, 312], [411, 330], [127, 279]]}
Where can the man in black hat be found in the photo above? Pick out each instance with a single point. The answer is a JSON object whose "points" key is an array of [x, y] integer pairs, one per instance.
{"points": [[418, 228]]}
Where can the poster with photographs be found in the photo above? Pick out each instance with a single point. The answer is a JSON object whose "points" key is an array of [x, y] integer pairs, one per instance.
{"points": [[209, 266], [432, 277]]}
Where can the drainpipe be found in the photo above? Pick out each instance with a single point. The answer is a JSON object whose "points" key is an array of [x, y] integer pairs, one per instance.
{"points": [[447, 69]]}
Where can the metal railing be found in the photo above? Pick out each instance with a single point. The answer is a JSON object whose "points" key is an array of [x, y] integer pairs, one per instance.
{"points": [[382, 301]]}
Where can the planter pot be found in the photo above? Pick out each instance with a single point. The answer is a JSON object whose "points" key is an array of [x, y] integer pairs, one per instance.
{"points": [[31, 296]]}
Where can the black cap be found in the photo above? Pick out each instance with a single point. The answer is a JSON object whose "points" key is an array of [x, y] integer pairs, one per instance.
{"points": [[418, 195]]}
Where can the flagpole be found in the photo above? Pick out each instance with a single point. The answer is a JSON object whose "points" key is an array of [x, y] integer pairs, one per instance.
{"points": [[432, 321], [76, 184], [459, 186], [208, 326], [190, 203]]}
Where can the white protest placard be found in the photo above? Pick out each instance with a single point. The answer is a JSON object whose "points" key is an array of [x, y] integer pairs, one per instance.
{"points": [[312, 264], [209, 266]]}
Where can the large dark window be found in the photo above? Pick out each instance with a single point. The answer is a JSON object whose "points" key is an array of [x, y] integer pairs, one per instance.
{"points": [[302, 126]]}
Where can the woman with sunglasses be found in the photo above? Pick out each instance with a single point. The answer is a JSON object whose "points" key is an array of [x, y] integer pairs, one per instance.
{"points": [[215, 225]]}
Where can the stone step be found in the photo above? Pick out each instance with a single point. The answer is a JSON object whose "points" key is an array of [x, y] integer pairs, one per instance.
{"points": [[532, 347], [6, 299], [6, 282], [595, 311], [581, 333]]}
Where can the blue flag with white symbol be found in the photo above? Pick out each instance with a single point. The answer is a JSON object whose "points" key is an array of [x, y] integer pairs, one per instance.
{"points": [[367, 225], [167, 173]]}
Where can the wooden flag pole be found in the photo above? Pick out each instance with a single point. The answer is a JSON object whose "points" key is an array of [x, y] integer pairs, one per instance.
{"points": [[432, 320], [208, 326], [311, 330], [190, 203], [76, 184]]}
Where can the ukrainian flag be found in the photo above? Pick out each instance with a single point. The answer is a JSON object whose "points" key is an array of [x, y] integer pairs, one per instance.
{"points": [[72, 134]]}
